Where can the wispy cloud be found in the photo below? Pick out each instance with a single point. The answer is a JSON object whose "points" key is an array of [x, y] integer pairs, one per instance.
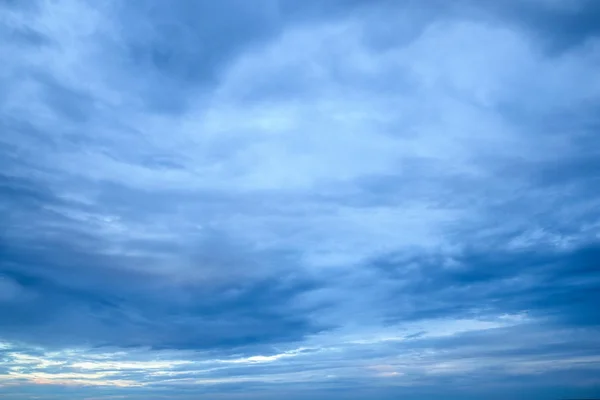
{"points": [[361, 198]]}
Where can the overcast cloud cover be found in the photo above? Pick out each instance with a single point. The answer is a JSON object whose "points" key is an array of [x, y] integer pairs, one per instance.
{"points": [[299, 199]]}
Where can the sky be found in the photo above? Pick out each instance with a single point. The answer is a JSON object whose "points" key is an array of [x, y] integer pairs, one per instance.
{"points": [[285, 199]]}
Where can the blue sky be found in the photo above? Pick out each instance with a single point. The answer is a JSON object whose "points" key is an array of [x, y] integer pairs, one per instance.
{"points": [[317, 199]]}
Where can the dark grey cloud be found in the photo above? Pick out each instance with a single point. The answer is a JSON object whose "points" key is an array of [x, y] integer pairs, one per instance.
{"points": [[325, 200], [559, 25], [561, 286]]}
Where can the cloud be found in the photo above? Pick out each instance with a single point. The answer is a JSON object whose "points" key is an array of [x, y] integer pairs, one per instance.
{"points": [[10, 289], [344, 199]]}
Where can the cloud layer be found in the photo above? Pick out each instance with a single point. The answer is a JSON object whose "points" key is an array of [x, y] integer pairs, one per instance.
{"points": [[324, 200]]}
